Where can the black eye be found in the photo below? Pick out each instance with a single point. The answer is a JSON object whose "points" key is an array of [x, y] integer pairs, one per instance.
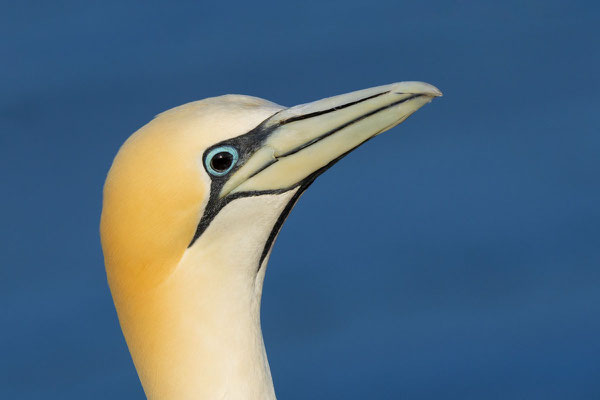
{"points": [[220, 160]]}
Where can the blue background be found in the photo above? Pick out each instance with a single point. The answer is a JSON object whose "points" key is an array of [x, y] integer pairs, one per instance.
{"points": [[456, 256]]}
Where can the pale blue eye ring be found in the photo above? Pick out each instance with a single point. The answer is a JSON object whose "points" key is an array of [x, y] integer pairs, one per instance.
{"points": [[221, 160]]}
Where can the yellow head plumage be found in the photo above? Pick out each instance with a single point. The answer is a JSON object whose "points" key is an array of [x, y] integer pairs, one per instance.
{"points": [[157, 188], [192, 205]]}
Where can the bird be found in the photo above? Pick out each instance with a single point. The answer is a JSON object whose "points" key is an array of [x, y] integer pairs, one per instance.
{"points": [[192, 205]]}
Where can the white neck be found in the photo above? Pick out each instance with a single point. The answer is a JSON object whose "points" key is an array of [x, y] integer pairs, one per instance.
{"points": [[198, 336]]}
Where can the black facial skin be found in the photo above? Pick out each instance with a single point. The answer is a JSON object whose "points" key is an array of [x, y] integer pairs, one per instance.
{"points": [[246, 145]]}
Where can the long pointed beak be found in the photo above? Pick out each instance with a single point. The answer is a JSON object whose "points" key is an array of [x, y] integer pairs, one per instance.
{"points": [[304, 140]]}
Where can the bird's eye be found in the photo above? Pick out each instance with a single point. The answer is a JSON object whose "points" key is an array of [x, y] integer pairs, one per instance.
{"points": [[220, 160]]}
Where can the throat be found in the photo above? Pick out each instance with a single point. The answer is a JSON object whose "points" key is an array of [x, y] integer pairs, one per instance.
{"points": [[203, 339], [198, 335]]}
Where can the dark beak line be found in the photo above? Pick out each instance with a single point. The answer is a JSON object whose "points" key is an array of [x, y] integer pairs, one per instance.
{"points": [[317, 113], [347, 124], [331, 132]]}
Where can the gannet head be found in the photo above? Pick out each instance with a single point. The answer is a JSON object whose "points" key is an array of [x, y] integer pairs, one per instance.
{"points": [[159, 186], [210, 183], [174, 175]]}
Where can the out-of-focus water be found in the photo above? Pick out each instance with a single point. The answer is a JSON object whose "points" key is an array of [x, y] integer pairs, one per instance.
{"points": [[454, 257]]}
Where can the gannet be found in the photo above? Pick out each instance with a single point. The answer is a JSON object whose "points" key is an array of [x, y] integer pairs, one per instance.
{"points": [[192, 205]]}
